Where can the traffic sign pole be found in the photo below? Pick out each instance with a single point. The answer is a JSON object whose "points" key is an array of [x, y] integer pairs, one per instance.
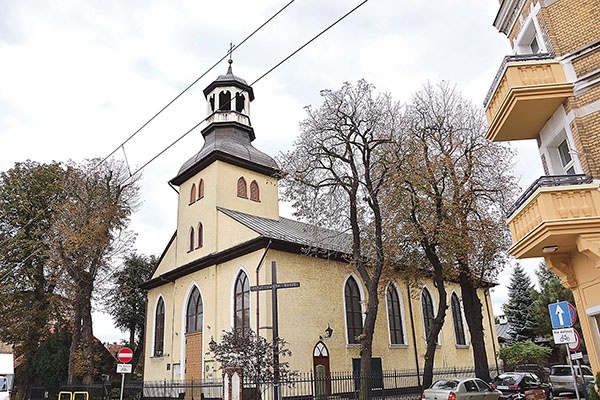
{"points": [[125, 355]]}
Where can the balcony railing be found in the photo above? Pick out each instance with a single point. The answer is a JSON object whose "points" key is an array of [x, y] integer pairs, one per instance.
{"points": [[526, 92], [502, 70], [548, 181]]}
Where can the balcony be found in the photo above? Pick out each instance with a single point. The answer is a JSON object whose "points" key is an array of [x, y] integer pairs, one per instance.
{"points": [[553, 214], [526, 92]]}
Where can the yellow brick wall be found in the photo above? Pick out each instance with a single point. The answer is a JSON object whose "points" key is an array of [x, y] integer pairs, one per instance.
{"points": [[573, 24], [587, 63]]}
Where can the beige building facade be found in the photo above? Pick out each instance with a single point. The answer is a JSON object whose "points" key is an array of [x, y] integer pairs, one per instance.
{"points": [[229, 235], [549, 91]]}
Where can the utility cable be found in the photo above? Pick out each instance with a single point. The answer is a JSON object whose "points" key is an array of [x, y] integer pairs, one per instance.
{"points": [[197, 79], [258, 79]]}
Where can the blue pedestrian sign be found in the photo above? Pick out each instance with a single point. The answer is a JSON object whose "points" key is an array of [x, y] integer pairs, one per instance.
{"points": [[562, 314]]}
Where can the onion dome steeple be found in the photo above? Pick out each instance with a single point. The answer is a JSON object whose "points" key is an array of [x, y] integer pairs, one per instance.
{"points": [[229, 134]]}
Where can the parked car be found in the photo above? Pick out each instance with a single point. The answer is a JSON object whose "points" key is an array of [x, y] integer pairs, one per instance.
{"points": [[541, 371], [561, 378], [460, 389], [513, 383]]}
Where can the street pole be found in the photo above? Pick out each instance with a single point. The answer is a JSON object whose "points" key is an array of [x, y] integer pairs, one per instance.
{"points": [[573, 374], [276, 392]]}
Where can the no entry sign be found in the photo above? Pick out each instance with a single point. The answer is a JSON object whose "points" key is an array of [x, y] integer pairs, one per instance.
{"points": [[125, 355]]}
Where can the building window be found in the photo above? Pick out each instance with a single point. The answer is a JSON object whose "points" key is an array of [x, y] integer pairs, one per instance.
{"points": [[191, 239], [225, 101], [254, 194], [566, 160], [242, 190], [459, 328], [159, 328], [241, 304], [194, 312], [354, 321], [201, 189], [239, 102], [394, 309], [528, 41], [427, 309], [200, 234], [193, 193]]}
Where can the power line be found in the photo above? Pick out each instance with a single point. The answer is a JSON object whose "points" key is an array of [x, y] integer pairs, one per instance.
{"points": [[258, 79], [196, 81]]}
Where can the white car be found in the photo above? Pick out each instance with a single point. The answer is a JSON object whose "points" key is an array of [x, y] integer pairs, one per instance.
{"points": [[561, 378], [460, 389]]}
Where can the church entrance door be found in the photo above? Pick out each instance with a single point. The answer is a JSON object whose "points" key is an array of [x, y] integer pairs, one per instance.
{"points": [[321, 371]]}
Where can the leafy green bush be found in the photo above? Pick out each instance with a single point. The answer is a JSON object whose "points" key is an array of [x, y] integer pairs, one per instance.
{"points": [[525, 352]]}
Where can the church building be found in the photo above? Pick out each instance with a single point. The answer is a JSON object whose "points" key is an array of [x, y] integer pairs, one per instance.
{"points": [[230, 235]]}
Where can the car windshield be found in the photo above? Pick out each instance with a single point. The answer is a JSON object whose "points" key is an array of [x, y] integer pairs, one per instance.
{"points": [[506, 380], [445, 384], [587, 370]]}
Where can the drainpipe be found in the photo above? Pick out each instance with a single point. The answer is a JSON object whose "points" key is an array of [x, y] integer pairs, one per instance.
{"points": [[486, 294], [412, 327]]}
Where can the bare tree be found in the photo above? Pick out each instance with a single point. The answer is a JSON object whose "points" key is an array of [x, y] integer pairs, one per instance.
{"points": [[335, 174], [88, 233], [445, 204]]}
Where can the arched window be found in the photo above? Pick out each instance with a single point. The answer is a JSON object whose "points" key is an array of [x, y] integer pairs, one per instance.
{"points": [[254, 193], [239, 102], [225, 100], [200, 234], [241, 304], [191, 240], [242, 190], [353, 310], [194, 312], [201, 189], [193, 193], [211, 100], [159, 328], [459, 328], [394, 310], [427, 309]]}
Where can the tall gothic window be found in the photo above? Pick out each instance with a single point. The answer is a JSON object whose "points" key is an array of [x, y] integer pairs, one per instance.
{"points": [[394, 310], [194, 313], [239, 102], [241, 304], [191, 242], [353, 310], [254, 193], [459, 328], [159, 328], [242, 190], [225, 100], [193, 193], [200, 234], [201, 189], [427, 309]]}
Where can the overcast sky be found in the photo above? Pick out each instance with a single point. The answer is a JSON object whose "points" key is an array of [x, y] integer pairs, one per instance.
{"points": [[77, 78]]}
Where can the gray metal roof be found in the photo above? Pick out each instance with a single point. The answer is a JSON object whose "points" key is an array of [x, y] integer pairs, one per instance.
{"points": [[232, 141], [294, 232]]}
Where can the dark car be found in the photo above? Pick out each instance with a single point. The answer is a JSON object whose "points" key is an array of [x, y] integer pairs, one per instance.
{"points": [[517, 383], [541, 371]]}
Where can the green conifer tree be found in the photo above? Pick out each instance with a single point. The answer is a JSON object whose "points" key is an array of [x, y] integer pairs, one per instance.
{"points": [[518, 308]]}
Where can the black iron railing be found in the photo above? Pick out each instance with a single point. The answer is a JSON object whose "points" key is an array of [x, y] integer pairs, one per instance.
{"points": [[549, 181], [506, 60]]}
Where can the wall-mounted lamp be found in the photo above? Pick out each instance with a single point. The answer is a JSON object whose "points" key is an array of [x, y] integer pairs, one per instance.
{"points": [[328, 331], [549, 249], [212, 343]]}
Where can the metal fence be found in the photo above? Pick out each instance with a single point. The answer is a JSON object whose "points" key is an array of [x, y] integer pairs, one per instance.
{"points": [[392, 385]]}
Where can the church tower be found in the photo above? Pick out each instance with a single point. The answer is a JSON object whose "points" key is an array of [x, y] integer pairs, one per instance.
{"points": [[228, 172]]}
